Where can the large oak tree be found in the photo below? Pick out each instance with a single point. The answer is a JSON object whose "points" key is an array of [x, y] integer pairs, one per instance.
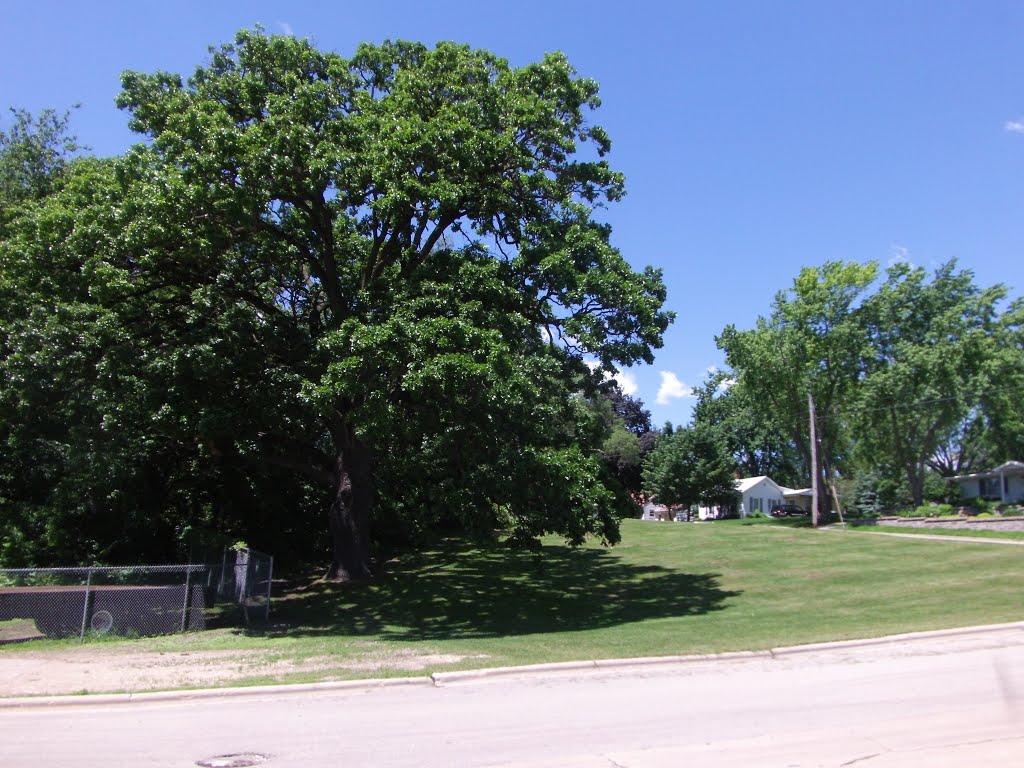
{"points": [[407, 239]]}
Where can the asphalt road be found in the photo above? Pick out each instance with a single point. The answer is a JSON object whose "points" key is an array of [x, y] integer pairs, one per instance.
{"points": [[953, 701]]}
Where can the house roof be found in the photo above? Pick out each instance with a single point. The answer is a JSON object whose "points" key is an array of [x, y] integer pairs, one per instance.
{"points": [[1009, 468], [745, 484], [796, 491]]}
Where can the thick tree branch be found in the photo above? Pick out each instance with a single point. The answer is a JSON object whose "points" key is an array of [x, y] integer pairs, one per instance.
{"points": [[291, 453]]}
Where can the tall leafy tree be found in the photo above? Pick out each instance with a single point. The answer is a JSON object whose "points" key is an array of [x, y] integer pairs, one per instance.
{"points": [[115, 385], [755, 438], [811, 343], [412, 231], [34, 152], [627, 436], [690, 466], [1002, 403], [635, 418], [931, 345]]}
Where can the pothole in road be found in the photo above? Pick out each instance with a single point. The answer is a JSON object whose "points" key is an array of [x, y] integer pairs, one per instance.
{"points": [[240, 760]]}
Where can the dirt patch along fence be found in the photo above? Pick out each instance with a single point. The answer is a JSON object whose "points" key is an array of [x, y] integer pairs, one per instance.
{"points": [[132, 601]]}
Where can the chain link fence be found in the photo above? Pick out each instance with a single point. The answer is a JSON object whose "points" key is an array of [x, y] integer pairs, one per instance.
{"points": [[132, 601]]}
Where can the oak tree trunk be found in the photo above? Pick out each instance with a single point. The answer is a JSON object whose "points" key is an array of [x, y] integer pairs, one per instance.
{"points": [[350, 513]]}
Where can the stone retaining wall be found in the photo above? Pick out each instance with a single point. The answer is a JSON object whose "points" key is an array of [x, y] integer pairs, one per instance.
{"points": [[975, 523]]}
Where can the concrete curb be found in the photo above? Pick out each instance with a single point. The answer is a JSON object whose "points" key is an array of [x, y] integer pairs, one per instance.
{"points": [[438, 679], [100, 699], [689, 659], [444, 678], [837, 645]]}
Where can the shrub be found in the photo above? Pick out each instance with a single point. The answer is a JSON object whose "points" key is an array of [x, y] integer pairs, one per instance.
{"points": [[867, 502], [938, 489], [930, 510]]}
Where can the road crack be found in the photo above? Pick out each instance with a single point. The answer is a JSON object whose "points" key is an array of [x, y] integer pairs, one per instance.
{"points": [[860, 759]]}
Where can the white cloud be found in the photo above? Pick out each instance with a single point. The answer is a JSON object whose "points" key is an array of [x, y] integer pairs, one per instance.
{"points": [[627, 382], [725, 384], [286, 28], [625, 379], [1014, 126], [672, 388]]}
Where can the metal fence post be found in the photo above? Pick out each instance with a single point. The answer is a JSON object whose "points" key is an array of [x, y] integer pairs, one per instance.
{"points": [[270, 581], [223, 573], [85, 605], [243, 569], [188, 594]]}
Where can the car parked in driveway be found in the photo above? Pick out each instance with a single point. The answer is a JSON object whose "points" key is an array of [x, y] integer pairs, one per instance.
{"points": [[787, 510]]}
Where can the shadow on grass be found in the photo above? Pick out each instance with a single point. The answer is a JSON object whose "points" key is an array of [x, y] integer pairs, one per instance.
{"points": [[469, 592], [801, 521]]}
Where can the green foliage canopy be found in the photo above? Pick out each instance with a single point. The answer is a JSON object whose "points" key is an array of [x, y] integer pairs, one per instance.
{"points": [[914, 375], [380, 272], [758, 442], [811, 343], [690, 466], [931, 345]]}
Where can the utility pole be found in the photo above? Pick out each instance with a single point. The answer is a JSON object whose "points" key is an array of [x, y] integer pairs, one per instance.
{"points": [[814, 460]]}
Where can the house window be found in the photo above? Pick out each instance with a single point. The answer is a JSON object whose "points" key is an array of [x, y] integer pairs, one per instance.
{"points": [[988, 488]]}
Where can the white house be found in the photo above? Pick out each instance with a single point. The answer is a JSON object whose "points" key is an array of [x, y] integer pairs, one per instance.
{"points": [[1004, 484], [753, 494], [659, 512], [654, 511], [802, 497]]}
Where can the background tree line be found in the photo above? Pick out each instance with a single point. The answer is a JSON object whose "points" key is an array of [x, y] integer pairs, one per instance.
{"points": [[915, 377]]}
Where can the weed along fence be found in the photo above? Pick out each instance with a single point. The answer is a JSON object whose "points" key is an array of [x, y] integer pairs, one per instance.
{"points": [[133, 601]]}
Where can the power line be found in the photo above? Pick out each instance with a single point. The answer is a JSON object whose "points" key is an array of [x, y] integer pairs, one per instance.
{"points": [[931, 401]]}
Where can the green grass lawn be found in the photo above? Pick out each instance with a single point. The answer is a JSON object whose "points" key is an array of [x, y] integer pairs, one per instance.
{"points": [[668, 588]]}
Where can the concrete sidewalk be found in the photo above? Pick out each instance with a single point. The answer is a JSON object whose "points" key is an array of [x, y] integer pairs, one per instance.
{"points": [[934, 536], [440, 679]]}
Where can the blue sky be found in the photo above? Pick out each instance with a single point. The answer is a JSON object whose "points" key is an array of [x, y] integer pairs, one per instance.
{"points": [[756, 137]]}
